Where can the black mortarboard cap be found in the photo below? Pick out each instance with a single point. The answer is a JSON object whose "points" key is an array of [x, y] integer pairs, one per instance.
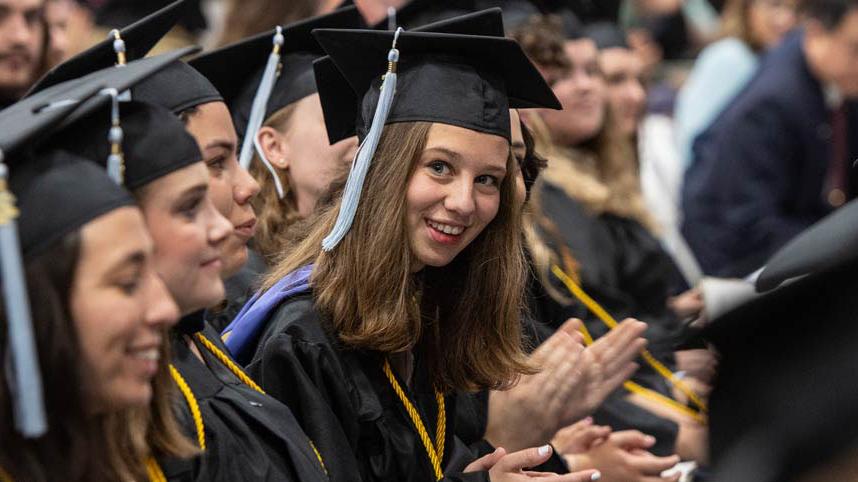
{"points": [[607, 35], [177, 88], [784, 398], [138, 39], [829, 243], [154, 143], [336, 93], [236, 70], [58, 192], [465, 80], [22, 123]]}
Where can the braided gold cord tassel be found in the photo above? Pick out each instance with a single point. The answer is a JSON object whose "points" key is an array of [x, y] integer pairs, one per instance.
{"points": [[435, 454]]}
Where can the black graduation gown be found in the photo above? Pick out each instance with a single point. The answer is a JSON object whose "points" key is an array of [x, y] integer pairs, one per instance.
{"points": [[249, 436], [616, 412], [622, 267], [346, 405]]}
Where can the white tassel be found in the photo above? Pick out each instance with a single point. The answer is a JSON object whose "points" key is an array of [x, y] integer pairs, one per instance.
{"points": [[366, 151], [22, 367], [116, 160], [260, 101]]}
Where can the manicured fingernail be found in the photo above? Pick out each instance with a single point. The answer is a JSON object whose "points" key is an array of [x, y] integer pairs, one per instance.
{"points": [[596, 476], [650, 439], [588, 420], [545, 450]]}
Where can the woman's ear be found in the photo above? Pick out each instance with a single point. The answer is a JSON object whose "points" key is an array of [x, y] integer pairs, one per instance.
{"points": [[274, 146]]}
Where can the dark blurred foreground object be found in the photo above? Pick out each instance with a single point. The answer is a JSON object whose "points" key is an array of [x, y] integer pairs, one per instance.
{"points": [[783, 407]]}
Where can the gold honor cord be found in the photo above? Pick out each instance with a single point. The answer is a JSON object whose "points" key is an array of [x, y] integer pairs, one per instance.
{"points": [[662, 370], [154, 471], [434, 451], [227, 362], [192, 405], [239, 373]]}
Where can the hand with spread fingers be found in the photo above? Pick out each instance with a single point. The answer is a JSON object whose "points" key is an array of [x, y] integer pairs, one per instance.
{"points": [[572, 383], [623, 457], [532, 411], [513, 467], [609, 362]]}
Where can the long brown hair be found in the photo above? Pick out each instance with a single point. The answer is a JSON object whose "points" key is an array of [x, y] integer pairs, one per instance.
{"points": [[79, 446], [465, 316], [275, 215]]}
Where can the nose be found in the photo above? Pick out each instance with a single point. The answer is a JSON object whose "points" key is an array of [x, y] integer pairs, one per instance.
{"points": [[459, 198], [18, 31], [161, 310], [218, 228], [245, 189]]}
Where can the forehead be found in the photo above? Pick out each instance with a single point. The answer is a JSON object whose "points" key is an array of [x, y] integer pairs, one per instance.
{"points": [[580, 51], [469, 144], [616, 59], [116, 233], [21, 5], [166, 189], [212, 121]]}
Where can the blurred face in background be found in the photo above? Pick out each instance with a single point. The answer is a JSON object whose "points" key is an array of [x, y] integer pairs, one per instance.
{"points": [[22, 35], [623, 72], [833, 52], [770, 20], [581, 91]]}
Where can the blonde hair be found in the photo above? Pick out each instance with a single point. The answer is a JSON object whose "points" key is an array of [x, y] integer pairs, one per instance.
{"points": [[466, 314], [602, 174], [275, 215]]}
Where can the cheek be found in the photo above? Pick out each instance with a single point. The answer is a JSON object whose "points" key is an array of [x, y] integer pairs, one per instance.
{"points": [[178, 245], [220, 191], [487, 206], [423, 193], [104, 322]]}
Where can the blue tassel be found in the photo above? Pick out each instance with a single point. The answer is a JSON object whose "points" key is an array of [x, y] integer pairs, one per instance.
{"points": [[365, 153], [25, 379], [116, 160], [257, 112]]}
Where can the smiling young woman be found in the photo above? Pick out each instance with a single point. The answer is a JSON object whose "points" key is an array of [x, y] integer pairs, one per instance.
{"points": [[100, 315], [369, 338]]}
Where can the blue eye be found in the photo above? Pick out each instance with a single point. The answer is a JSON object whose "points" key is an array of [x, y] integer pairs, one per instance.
{"points": [[487, 180]]}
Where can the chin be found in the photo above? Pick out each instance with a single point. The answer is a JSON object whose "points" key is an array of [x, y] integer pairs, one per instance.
{"points": [[233, 262], [136, 394], [435, 260]]}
